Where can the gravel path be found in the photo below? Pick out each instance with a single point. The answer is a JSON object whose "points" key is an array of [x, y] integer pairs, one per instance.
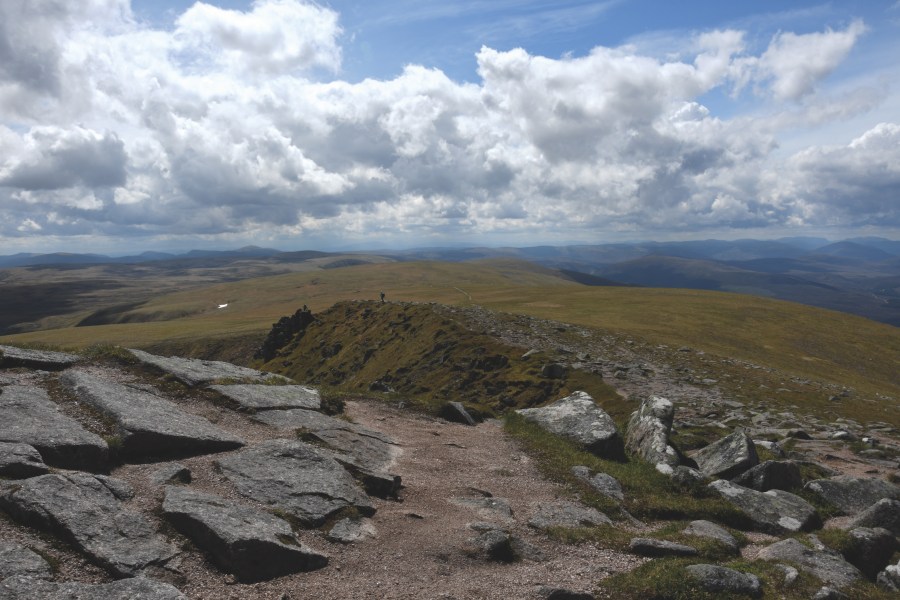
{"points": [[422, 549]]}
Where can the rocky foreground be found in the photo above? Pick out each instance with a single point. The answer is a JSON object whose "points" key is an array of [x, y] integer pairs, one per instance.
{"points": [[144, 478]]}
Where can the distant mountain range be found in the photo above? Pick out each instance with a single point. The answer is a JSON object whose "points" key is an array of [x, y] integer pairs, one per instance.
{"points": [[859, 275]]}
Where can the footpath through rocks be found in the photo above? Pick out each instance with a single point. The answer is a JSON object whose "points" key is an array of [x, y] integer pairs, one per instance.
{"points": [[134, 475], [271, 498]]}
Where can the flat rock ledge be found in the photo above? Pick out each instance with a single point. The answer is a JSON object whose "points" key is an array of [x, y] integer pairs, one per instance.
{"points": [[656, 548], [252, 544], [137, 588], [10, 356], [579, 419], [194, 372], [148, 424], [20, 461], [368, 455], [566, 514], [28, 416], [296, 478], [775, 511], [255, 396], [828, 567], [88, 511]]}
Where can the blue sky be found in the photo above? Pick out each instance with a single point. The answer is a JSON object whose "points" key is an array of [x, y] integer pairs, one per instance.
{"points": [[166, 124]]}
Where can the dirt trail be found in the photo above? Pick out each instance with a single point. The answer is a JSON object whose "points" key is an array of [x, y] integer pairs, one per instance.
{"points": [[420, 550]]}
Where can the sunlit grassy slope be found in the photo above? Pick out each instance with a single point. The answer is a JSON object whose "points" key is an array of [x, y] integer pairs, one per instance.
{"points": [[796, 339]]}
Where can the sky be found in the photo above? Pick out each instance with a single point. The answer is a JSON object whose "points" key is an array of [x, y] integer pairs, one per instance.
{"points": [[130, 125]]}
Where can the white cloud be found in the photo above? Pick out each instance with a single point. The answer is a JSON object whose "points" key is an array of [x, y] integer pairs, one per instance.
{"points": [[221, 128], [793, 63], [277, 37]]}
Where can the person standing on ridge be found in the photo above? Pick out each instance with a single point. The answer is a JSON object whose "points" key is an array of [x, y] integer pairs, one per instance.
{"points": [[382, 297]]}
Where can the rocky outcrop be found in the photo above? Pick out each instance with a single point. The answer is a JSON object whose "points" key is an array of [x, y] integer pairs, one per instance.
{"points": [[648, 433], [728, 457], [296, 478], [137, 588], [283, 332], [853, 494], [194, 372], [270, 397], [252, 544], [10, 356], [148, 424], [88, 511], [28, 416], [771, 475], [828, 567], [18, 461], [775, 511], [717, 580], [16, 559], [578, 418]]}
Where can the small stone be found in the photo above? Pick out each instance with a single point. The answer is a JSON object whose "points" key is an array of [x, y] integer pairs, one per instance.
{"points": [[656, 548]]}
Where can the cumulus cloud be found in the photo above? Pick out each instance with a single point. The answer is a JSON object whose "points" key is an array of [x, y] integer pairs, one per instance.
{"points": [[275, 37], [52, 158], [854, 184], [229, 124], [793, 63]]}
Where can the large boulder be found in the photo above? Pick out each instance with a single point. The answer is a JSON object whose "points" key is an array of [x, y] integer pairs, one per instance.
{"points": [[88, 511], [853, 494], [648, 433], [884, 513], [829, 567], [194, 371], [136, 588], [771, 475], [253, 544], [578, 418], [255, 396], [775, 511], [19, 461], [728, 457], [148, 424], [717, 580], [296, 478], [10, 356], [28, 416], [870, 549]]}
